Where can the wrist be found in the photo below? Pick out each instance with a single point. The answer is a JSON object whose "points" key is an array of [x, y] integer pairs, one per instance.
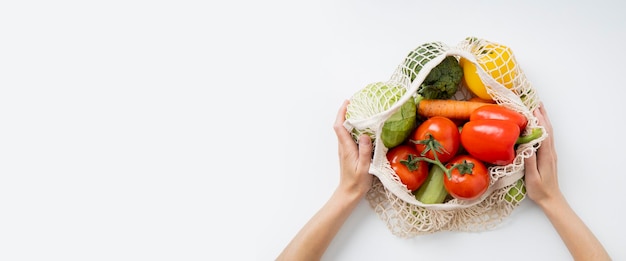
{"points": [[349, 195], [553, 202], [356, 189]]}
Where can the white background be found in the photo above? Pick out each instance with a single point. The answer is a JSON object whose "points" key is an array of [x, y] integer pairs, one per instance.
{"points": [[186, 130]]}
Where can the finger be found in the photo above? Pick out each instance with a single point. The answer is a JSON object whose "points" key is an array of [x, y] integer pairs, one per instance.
{"points": [[343, 136], [365, 152], [544, 119], [341, 114], [541, 109], [540, 113], [548, 147], [546, 151], [530, 167]]}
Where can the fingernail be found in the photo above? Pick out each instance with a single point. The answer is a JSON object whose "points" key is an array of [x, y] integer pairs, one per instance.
{"points": [[365, 139]]}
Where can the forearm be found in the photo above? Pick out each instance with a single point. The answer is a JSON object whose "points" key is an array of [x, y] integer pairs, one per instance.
{"points": [[580, 241], [314, 238]]}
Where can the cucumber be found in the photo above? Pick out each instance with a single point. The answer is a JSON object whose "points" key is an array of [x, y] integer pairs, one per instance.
{"points": [[432, 191]]}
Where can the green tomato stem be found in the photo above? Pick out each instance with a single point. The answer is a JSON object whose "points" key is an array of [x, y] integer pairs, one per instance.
{"points": [[433, 145], [438, 164]]}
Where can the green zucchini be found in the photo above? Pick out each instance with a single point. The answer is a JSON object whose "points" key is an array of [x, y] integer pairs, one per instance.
{"points": [[432, 191]]}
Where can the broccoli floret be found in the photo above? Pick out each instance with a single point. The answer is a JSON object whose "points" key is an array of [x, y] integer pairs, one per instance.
{"points": [[443, 80]]}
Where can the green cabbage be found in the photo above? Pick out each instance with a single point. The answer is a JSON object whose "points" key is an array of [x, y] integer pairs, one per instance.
{"points": [[376, 98]]}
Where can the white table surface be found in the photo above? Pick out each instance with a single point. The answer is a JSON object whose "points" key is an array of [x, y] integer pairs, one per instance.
{"points": [[185, 130], [573, 55]]}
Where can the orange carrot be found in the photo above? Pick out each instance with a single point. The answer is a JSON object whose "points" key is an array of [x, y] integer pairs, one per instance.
{"points": [[452, 109], [478, 99]]}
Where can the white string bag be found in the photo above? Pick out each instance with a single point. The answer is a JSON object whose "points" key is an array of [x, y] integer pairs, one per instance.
{"points": [[404, 215]]}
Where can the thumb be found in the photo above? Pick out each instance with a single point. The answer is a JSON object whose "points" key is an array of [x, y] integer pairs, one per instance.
{"points": [[365, 152]]}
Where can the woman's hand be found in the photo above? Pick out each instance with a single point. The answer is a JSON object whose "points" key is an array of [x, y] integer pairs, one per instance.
{"points": [[543, 187], [354, 159], [541, 169]]}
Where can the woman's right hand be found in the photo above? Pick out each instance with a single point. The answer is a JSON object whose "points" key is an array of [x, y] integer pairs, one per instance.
{"points": [[541, 169]]}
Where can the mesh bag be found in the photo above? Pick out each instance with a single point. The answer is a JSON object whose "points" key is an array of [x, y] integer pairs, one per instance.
{"points": [[507, 85]]}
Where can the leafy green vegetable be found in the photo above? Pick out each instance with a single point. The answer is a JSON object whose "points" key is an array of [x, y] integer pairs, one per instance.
{"points": [[443, 80], [417, 58], [376, 98], [399, 126]]}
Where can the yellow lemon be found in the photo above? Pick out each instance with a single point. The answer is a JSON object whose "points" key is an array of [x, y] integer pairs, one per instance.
{"points": [[495, 59], [472, 80], [499, 62]]}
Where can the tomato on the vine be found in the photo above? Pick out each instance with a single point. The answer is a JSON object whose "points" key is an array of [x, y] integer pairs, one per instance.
{"points": [[437, 134], [469, 177], [404, 161]]}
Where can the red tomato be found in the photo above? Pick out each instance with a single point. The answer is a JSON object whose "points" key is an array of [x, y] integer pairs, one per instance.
{"points": [[469, 180], [445, 134], [403, 160]]}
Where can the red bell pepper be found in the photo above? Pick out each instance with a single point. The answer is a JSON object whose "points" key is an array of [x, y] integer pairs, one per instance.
{"points": [[494, 111], [491, 140]]}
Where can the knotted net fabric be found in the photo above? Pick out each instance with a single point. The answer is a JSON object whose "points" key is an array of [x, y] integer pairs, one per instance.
{"points": [[507, 85]]}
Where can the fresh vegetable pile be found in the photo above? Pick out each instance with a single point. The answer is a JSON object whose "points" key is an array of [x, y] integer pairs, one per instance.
{"points": [[451, 129]]}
